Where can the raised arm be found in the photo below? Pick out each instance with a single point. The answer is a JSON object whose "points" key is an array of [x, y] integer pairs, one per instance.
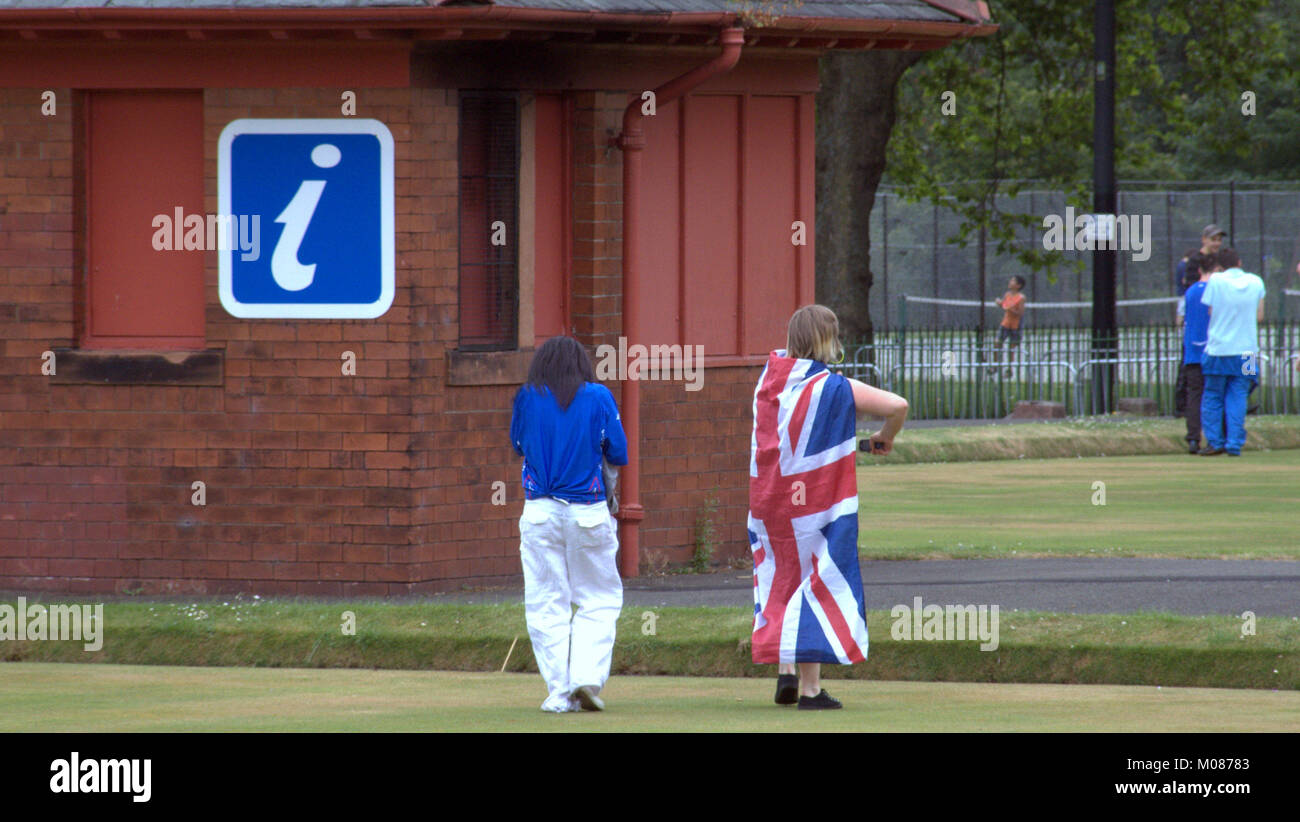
{"points": [[877, 403]]}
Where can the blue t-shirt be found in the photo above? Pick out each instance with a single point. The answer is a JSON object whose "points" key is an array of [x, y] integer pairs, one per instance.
{"points": [[1196, 319], [563, 449]]}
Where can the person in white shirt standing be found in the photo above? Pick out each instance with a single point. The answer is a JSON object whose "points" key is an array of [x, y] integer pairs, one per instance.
{"points": [[1230, 365]]}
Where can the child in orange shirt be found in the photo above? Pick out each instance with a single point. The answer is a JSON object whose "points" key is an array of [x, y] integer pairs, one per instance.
{"points": [[1013, 308]]}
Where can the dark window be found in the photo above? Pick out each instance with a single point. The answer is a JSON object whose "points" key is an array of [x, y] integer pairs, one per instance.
{"points": [[489, 210]]}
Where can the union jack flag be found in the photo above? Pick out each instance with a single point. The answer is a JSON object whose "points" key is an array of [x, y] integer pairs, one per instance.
{"points": [[803, 516]]}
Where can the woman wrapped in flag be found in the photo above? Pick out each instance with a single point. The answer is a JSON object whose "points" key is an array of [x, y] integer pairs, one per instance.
{"points": [[803, 507]]}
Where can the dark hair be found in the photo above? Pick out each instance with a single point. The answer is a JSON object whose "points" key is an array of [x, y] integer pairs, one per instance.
{"points": [[1020, 281], [1227, 258], [561, 364], [1197, 263]]}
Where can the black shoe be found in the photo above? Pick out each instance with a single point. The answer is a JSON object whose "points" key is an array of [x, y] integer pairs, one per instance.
{"points": [[822, 702], [1193, 447], [1253, 409], [1211, 452], [787, 689]]}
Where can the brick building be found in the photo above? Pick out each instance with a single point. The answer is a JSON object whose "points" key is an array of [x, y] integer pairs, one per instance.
{"points": [[126, 381]]}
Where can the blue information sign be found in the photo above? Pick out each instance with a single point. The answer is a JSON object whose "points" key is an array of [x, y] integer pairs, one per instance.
{"points": [[309, 210]]}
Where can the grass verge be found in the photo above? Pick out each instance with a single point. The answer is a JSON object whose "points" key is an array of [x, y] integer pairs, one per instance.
{"points": [[1130, 649], [1080, 437]]}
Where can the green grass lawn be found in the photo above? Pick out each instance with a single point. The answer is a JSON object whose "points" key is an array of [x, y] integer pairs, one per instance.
{"points": [[1075, 437], [113, 698], [1155, 506]]}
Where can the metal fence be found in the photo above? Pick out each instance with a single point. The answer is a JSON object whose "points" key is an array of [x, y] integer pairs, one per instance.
{"points": [[966, 374], [912, 253]]}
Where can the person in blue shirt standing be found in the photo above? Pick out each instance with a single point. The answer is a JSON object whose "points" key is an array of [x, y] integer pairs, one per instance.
{"points": [[565, 425], [1184, 277], [1230, 365], [1196, 318]]}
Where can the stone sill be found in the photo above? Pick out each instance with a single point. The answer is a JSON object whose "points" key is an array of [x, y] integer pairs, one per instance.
{"points": [[75, 366], [488, 367]]}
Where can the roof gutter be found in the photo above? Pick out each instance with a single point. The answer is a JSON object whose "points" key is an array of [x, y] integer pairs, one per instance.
{"points": [[486, 16], [632, 142]]}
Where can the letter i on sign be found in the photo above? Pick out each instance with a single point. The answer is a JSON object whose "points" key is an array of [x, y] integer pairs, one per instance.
{"points": [[289, 273]]}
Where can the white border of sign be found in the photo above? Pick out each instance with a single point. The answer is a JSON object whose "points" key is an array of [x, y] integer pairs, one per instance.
{"points": [[387, 228]]}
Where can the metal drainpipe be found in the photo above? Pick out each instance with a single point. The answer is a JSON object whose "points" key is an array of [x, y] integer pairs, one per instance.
{"points": [[632, 143]]}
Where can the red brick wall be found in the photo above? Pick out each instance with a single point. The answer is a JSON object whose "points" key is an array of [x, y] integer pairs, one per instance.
{"points": [[52, 461], [695, 445], [598, 218], [310, 475], [316, 483]]}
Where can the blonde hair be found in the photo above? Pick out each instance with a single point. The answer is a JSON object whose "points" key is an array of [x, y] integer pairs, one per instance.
{"points": [[814, 334]]}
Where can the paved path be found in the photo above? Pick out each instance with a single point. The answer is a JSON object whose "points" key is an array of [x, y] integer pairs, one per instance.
{"points": [[1085, 586]]}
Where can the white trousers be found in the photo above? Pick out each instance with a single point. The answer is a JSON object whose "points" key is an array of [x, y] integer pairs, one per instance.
{"points": [[569, 558]]}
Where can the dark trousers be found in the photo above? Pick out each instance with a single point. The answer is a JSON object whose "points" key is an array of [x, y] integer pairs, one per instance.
{"points": [[1191, 377], [1180, 391]]}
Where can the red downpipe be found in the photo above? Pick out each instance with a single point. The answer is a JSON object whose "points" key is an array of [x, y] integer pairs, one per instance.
{"points": [[632, 142]]}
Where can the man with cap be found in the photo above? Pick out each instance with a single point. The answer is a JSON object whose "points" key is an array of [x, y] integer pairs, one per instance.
{"points": [[1211, 241]]}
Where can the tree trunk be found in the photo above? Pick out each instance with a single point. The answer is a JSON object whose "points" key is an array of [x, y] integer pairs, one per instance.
{"points": [[855, 113]]}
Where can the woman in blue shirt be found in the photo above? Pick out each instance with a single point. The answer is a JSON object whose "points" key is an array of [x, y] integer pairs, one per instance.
{"points": [[564, 425]]}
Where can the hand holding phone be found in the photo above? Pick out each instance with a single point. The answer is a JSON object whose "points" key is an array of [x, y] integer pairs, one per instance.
{"points": [[871, 445]]}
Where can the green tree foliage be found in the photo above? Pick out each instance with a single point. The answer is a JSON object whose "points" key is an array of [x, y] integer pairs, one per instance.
{"points": [[1023, 107], [1221, 142]]}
